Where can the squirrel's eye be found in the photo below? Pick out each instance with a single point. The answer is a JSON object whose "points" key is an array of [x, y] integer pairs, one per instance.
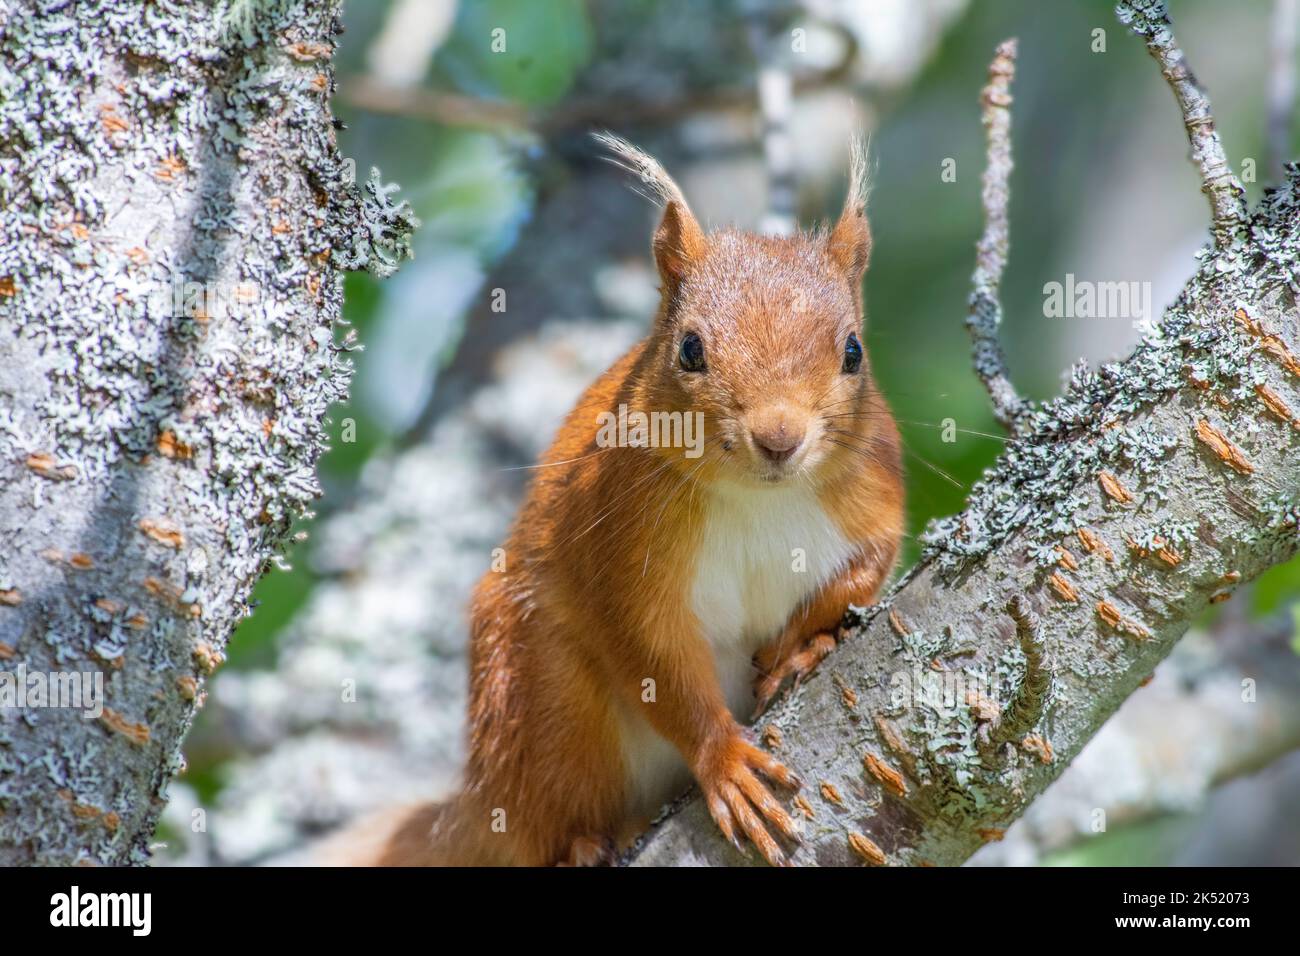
{"points": [[852, 353], [691, 354]]}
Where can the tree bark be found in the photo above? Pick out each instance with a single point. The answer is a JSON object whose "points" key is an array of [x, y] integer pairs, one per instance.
{"points": [[1149, 490], [175, 220], [1174, 744]]}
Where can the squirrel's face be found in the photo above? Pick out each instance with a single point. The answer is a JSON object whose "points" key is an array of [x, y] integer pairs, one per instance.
{"points": [[762, 336]]}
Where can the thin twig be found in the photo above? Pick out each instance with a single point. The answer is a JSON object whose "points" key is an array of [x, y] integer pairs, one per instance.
{"points": [[375, 95], [1150, 20], [1281, 86], [579, 112], [991, 252]]}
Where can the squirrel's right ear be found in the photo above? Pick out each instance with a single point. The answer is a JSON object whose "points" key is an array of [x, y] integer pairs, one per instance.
{"points": [[679, 240]]}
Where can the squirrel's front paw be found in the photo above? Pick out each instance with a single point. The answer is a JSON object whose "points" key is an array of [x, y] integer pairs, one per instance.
{"points": [[590, 851], [784, 659], [739, 801]]}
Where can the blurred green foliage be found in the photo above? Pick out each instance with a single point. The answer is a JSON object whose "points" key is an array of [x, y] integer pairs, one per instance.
{"points": [[515, 70]]}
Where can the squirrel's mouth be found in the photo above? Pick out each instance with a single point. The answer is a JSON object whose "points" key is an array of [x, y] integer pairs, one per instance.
{"points": [[776, 473]]}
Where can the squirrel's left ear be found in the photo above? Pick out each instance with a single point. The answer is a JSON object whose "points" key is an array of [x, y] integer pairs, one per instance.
{"points": [[678, 244], [679, 240], [850, 240]]}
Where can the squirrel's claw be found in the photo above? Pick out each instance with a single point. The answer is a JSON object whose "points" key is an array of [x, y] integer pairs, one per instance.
{"points": [[740, 802], [798, 663]]}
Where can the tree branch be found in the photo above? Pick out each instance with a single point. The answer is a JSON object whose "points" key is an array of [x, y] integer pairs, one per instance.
{"points": [[1175, 741], [985, 316], [1025, 708], [1149, 19], [581, 113], [1147, 491]]}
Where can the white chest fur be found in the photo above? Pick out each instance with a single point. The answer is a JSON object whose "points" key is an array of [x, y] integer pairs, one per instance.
{"points": [[762, 552]]}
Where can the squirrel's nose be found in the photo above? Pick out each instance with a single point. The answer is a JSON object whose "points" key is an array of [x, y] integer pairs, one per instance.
{"points": [[779, 443]]}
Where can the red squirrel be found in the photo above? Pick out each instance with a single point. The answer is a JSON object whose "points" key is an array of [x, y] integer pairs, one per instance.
{"points": [[652, 597]]}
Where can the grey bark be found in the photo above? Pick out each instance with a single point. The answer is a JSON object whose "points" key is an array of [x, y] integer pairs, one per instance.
{"points": [[1174, 744], [985, 316], [175, 221], [1145, 492]]}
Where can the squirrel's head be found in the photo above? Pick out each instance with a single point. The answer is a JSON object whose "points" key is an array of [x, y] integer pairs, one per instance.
{"points": [[763, 335]]}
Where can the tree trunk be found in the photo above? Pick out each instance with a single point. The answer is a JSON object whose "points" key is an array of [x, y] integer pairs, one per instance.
{"points": [[175, 219]]}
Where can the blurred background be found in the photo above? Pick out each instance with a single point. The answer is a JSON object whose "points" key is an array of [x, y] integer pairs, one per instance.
{"points": [[345, 689]]}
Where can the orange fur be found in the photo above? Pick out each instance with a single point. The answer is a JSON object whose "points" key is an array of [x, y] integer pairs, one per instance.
{"points": [[602, 562]]}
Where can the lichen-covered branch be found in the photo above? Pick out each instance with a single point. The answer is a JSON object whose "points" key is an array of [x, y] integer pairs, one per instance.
{"points": [[985, 316], [1149, 19], [1200, 723], [173, 218], [1149, 490]]}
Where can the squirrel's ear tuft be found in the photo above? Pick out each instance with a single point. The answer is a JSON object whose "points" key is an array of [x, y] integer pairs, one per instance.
{"points": [[679, 240], [678, 243], [850, 240]]}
